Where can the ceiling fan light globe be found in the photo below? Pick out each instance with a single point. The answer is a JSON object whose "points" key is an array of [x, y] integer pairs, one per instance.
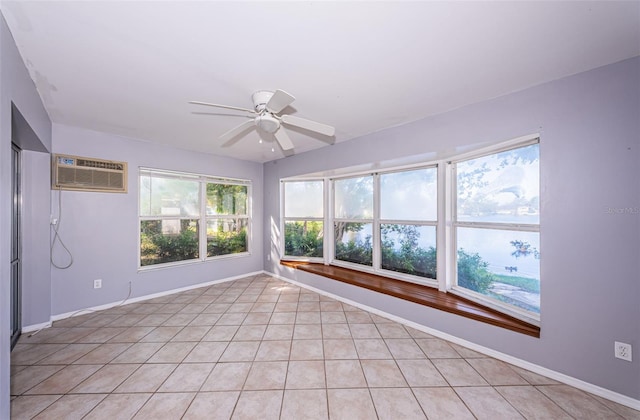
{"points": [[267, 123]]}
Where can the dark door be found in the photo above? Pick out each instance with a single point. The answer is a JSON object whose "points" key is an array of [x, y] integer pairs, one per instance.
{"points": [[16, 269]]}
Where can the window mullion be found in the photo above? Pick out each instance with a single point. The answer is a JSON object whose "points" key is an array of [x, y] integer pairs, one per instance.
{"points": [[327, 223], [202, 221], [329, 232], [444, 254], [408, 222], [499, 226], [283, 222], [451, 204], [375, 228]]}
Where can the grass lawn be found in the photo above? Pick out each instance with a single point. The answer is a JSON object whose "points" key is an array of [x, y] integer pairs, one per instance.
{"points": [[525, 283]]}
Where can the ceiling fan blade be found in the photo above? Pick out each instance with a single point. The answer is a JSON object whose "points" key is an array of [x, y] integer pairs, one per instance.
{"points": [[283, 139], [229, 137], [314, 126], [279, 101], [223, 106]]}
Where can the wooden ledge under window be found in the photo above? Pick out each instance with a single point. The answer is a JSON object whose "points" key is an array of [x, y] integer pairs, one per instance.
{"points": [[423, 295]]}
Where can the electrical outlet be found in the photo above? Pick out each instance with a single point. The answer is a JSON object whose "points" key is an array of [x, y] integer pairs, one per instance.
{"points": [[97, 284], [623, 351]]}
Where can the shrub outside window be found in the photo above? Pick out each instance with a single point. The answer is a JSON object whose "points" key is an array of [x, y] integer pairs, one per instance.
{"points": [[174, 207]]}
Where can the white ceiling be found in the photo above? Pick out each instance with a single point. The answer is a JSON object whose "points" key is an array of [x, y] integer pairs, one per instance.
{"points": [[129, 68]]}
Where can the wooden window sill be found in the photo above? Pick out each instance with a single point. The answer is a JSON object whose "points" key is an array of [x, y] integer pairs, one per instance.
{"points": [[423, 295]]}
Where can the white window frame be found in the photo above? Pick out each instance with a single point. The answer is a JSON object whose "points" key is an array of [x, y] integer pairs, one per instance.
{"points": [[201, 219], [376, 221], [333, 219], [284, 218], [451, 285], [446, 224], [225, 181], [380, 221]]}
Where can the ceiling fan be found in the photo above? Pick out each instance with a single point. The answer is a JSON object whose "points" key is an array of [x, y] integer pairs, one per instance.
{"points": [[266, 107]]}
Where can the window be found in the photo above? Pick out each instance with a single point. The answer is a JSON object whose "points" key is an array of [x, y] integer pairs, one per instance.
{"points": [[303, 218], [476, 217], [353, 220], [175, 206], [227, 218], [408, 217], [387, 221], [496, 226]]}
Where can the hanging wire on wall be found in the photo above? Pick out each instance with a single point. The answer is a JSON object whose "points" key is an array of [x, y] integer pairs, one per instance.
{"points": [[56, 237]]}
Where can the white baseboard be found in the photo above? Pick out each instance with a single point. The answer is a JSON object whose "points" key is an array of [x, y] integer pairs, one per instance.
{"points": [[128, 301], [36, 327], [560, 377]]}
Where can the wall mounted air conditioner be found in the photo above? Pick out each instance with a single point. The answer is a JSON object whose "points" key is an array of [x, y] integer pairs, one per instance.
{"points": [[87, 174]]}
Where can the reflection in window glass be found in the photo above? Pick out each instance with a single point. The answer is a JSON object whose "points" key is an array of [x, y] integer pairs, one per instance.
{"points": [[409, 195], [303, 238], [169, 197], [303, 199], [409, 249], [354, 198], [502, 264], [226, 236], [503, 187], [226, 199], [353, 242]]}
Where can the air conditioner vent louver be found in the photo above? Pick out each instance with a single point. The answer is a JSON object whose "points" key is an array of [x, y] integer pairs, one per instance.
{"points": [[84, 174], [118, 166]]}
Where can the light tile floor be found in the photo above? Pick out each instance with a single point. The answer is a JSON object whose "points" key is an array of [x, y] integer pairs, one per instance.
{"points": [[261, 348]]}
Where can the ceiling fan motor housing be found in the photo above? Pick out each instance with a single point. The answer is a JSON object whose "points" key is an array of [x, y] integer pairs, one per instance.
{"points": [[260, 99]]}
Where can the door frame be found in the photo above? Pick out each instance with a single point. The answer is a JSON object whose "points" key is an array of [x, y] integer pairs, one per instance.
{"points": [[16, 245]]}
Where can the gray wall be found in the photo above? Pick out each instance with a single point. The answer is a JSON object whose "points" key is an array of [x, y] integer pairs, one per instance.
{"points": [[101, 229], [590, 154], [36, 269], [17, 88]]}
